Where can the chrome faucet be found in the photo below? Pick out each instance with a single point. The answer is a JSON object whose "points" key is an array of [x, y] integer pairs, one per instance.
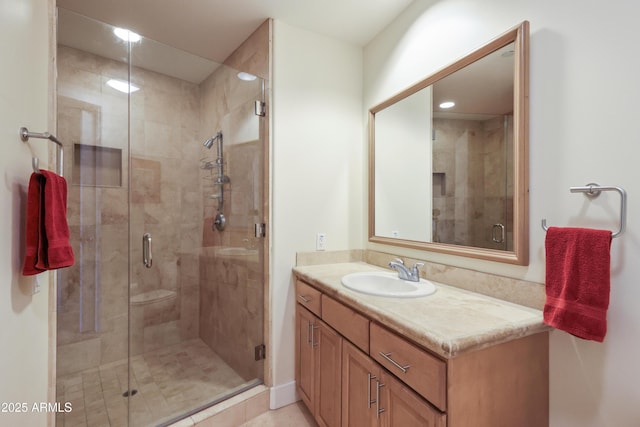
{"points": [[404, 273]]}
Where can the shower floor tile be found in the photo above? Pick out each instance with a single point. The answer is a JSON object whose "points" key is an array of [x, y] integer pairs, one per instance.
{"points": [[169, 382]]}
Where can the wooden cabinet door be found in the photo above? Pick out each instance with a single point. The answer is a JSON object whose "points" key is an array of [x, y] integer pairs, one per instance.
{"points": [[404, 408], [359, 376], [328, 375], [305, 378]]}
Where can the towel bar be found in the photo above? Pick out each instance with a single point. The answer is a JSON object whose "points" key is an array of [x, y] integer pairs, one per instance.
{"points": [[592, 191], [25, 135]]}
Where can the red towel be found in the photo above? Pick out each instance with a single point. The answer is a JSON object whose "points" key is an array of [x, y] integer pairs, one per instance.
{"points": [[59, 251], [35, 226], [47, 234], [577, 281]]}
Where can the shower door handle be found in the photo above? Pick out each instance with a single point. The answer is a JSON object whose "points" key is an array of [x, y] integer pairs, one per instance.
{"points": [[497, 233], [147, 257]]}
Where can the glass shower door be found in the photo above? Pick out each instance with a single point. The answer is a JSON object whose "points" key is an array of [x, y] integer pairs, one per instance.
{"points": [[92, 296], [196, 268], [163, 313]]}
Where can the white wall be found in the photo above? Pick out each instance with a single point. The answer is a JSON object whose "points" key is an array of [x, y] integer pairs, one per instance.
{"points": [[584, 111], [24, 101], [403, 155], [317, 164]]}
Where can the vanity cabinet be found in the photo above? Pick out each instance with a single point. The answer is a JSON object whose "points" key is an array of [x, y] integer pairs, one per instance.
{"points": [[405, 408], [305, 321], [359, 375], [338, 382], [372, 397], [420, 370], [318, 367], [353, 371]]}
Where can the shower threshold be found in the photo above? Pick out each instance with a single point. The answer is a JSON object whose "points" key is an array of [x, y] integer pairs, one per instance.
{"points": [[233, 393]]}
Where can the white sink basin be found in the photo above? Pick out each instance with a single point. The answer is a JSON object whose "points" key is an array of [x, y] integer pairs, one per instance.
{"points": [[387, 284]]}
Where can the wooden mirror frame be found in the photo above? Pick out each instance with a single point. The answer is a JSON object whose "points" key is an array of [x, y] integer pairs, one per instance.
{"points": [[519, 35]]}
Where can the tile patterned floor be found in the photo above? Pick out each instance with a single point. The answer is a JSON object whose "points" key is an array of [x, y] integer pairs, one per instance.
{"points": [[295, 415], [170, 381]]}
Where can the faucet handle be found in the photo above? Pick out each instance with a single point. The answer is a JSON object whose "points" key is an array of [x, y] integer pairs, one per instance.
{"points": [[398, 260], [415, 270]]}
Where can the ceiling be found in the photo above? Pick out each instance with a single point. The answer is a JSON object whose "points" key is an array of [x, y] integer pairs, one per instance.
{"points": [[213, 29], [89, 35], [188, 39]]}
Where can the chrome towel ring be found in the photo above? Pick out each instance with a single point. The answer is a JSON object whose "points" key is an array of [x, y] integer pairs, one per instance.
{"points": [[592, 191]]}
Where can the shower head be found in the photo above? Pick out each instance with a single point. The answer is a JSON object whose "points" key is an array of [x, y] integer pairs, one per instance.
{"points": [[209, 142]]}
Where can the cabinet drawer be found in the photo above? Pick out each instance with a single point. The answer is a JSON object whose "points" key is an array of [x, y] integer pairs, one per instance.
{"points": [[308, 297], [421, 371], [353, 326]]}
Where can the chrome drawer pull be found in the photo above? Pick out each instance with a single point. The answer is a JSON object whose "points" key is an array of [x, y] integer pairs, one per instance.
{"points": [[379, 410], [313, 336], [369, 401], [387, 356], [304, 299]]}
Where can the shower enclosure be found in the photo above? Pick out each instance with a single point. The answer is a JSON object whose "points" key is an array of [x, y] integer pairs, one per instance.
{"points": [[473, 181], [163, 313]]}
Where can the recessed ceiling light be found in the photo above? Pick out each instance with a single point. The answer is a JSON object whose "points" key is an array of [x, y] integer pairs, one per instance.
{"points": [[122, 86], [126, 35], [447, 104], [246, 76]]}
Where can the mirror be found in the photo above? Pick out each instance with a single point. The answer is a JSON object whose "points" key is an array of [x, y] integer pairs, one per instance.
{"points": [[454, 178]]}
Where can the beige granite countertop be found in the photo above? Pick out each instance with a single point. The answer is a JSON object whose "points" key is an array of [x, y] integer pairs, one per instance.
{"points": [[449, 322]]}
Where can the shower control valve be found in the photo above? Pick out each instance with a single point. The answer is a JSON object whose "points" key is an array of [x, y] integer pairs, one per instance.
{"points": [[219, 222]]}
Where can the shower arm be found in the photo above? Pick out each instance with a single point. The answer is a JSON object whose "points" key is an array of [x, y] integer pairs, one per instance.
{"points": [[219, 164], [220, 221], [220, 160], [218, 139], [221, 179]]}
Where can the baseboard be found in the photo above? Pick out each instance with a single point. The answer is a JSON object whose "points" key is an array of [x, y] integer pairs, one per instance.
{"points": [[283, 395]]}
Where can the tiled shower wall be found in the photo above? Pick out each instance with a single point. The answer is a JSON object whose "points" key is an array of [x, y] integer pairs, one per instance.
{"points": [[165, 188], [472, 191], [93, 294], [231, 285], [232, 289]]}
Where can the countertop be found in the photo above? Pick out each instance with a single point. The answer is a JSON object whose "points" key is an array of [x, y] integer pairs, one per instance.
{"points": [[449, 322]]}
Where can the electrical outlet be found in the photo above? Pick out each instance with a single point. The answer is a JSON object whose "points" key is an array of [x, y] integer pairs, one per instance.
{"points": [[321, 242]]}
